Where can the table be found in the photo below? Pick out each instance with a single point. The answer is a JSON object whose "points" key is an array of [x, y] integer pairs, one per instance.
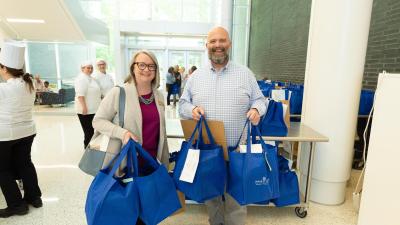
{"points": [[297, 132]]}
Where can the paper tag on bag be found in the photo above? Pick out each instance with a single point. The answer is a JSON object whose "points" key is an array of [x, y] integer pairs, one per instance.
{"points": [[190, 167], [255, 148]]}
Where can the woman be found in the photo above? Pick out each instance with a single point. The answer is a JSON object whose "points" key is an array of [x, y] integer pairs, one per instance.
{"points": [[87, 99], [170, 82], [17, 131], [144, 119]]}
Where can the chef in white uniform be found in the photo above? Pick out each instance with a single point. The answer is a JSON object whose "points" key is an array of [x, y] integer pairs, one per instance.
{"points": [[87, 99], [105, 80], [17, 131]]}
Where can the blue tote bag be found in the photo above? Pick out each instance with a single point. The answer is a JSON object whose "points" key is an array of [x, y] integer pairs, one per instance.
{"points": [[273, 123], [110, 200], [253, 177], [210, 178], [288, 185], [157, 191]]}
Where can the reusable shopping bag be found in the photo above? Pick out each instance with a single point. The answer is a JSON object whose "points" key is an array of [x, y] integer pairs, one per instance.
{"points": [[112, 200], [157, 191], [175, 89], [296, 99], [288, 185], [253, 177], [273, 123], [366, 102], [210, 177], [94, 157]]}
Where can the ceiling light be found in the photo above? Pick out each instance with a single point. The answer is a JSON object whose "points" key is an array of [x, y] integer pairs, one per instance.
{"points": [[19, 20]]}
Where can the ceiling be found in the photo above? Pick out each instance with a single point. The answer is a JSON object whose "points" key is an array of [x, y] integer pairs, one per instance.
{"points": [[60, 22]]}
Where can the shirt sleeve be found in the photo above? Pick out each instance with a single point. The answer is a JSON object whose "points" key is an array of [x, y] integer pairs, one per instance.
{"points": [[81, 87], [257, 99], [185, 101]]}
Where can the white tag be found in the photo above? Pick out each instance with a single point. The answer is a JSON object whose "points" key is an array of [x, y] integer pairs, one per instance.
{"points": [[270, 143], [278, 95], [127, 180], [255, 148], [190, 167]]}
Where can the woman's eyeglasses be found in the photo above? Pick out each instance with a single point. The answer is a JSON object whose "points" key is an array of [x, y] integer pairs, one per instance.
{"points": [[142, 66]]}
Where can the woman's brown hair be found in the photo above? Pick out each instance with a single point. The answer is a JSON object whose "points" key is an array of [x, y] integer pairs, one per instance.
{"points": [[20, 73]]}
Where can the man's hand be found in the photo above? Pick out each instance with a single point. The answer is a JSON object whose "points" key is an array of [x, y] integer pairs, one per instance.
{"points": [[197, 112], [128, 135], [253, 116]]}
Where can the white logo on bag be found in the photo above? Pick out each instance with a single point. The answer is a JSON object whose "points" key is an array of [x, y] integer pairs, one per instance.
{"points": [[263, 181]]}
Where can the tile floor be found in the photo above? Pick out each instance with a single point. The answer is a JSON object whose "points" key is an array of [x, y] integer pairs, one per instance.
{"points": [[58, 148]]}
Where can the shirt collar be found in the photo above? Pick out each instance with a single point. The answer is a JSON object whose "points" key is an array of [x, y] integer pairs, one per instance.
{"points": [[223, 69]]}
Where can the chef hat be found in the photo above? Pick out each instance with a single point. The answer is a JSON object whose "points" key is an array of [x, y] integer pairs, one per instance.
{"points": [[12, 55], [86, 63], [101, 61]]}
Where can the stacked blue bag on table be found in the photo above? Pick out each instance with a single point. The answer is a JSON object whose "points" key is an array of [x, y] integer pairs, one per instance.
{"points": [[210, 177], [366, 102], [121, 200], [296, 98], [265, 87], [273, 123]]}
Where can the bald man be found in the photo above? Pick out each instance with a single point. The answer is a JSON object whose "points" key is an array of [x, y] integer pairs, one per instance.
{"points": [[227, 92]]}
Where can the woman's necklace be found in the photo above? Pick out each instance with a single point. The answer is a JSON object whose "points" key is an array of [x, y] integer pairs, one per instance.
{"points": [[148, 100]]}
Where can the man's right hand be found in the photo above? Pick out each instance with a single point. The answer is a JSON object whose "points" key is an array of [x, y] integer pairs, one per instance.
{"points": [[197, 112]]}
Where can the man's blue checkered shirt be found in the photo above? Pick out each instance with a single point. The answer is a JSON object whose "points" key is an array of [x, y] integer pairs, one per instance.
{"points": [[226, 96]]}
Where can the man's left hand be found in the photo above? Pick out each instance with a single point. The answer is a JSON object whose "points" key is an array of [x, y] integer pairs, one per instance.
{"points": [[253, 116]]}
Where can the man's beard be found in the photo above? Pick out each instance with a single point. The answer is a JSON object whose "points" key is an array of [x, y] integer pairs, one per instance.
{"points": [[218, 59]]}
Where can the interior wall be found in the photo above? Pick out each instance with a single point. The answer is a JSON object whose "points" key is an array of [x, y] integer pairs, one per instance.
{"points": [[278, 39], [279, 36]]}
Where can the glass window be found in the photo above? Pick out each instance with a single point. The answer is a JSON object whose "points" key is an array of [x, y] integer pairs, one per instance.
{"points": [[71, 56], [42, 61], [195, 59], [146, 41], [186, 42]]}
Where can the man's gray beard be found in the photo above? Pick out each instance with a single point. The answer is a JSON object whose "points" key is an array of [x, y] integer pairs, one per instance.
{"points": [[218, 59]]}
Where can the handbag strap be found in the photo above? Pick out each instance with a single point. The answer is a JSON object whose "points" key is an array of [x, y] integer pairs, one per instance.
{"points": [[121, 106]]}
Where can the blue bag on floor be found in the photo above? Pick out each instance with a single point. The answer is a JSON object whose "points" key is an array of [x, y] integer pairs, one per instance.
{"points": [[157, 191], [288, 185], [273, 123], [210, 178], [253, 177], [109, 200], [366, 102]]}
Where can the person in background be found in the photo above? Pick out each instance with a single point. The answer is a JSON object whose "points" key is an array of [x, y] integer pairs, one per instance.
{"points": [[191, 70], [170, 81], [87, 99], [17, 131], [178, 78], [144, 111], [227, 92], [38, 84], [105, 80], [46, 87]]}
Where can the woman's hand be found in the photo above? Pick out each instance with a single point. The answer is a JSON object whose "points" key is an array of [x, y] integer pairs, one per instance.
{"points": [[128, 135]]}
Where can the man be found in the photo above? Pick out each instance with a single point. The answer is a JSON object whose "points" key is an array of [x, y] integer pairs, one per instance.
{"points": [[229, 93], [105, 80]]}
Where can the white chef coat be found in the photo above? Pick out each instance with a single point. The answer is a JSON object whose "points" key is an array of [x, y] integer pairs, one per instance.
{"points": [[87, 87], [106, 82], [16, 104]]}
